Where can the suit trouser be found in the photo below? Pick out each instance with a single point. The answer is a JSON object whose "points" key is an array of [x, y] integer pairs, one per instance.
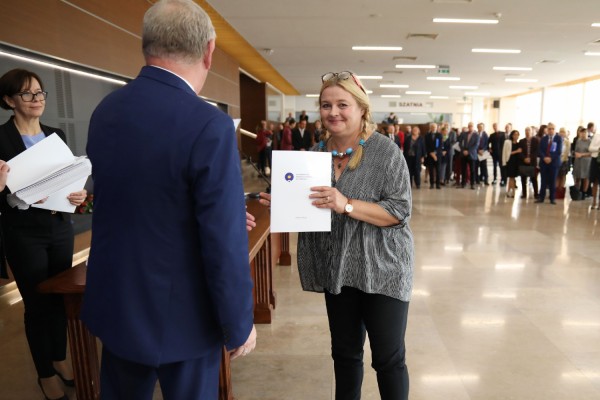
{"points": [[352, 314], [34, 255], [414, 169], [495, 164], [472, 164], [483, 176], [196, 379], [434, 171], [549, 174]]}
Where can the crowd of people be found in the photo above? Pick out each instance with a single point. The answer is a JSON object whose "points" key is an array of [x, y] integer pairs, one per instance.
{"points": [[538, 156]]}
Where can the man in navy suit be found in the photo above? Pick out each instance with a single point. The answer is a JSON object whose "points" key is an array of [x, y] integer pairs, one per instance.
{"points": [[469, 144], [301, 137], [168, 279], [549, 153]]}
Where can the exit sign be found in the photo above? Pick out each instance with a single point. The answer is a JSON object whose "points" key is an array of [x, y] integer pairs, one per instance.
{"points": [[444, 69]]}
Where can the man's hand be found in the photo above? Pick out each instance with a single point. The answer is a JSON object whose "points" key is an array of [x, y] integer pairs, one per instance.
{"points": [[247, 347]]}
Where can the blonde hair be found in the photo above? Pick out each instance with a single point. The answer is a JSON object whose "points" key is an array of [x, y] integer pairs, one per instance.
{"points": [[353, 86]]}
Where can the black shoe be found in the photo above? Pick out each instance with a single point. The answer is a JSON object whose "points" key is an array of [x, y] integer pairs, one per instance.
{"points": [[486, 184], [430, 186], [523, 196], [472, 187], [502, 184], [67, 382], [438, 187], [539, 201], [494, 182], [64, 396], [552, 202]]}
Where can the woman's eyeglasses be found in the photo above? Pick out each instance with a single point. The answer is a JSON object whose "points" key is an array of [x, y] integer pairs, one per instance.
{"points": [[342, 76], [29, 97]]}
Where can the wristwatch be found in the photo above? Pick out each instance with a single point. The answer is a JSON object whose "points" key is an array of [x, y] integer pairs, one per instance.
{"points": [[348, 207]]}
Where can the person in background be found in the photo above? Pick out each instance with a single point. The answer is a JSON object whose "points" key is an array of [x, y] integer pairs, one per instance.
{"points": [[302, 138], [482, 175], [452, 140], [277, 136], [391, 133], [392, 119], [400, 135], [529, 151], [38, 242], [263, 140], [168, 284], [433, 141], [549, 153], [595, 169], [591, 129], [414, 153], [443, 154], [303, 117], [495, 152], [583, 161], [511, 160], [364, 266], [469, 144], [290, 118], [565, 162], [286, 135], [318, 131]]}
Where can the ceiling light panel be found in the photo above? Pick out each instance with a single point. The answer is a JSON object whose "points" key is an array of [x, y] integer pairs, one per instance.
{"points": [[443, 78], [464, 87], [520, 80], [498, 51], [386, 85], [465, 21], [513, 69], [377, 48], [415, 66], [418, 92], [369, 77]]}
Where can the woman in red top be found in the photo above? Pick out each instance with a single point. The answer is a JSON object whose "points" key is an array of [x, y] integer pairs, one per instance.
{"points": [[286, 136]]}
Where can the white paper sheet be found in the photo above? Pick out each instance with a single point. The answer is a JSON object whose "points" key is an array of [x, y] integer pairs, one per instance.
{"points": [[38, 161], [292, 176]]}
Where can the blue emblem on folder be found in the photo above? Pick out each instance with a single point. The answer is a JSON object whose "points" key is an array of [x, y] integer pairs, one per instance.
{"points": [[289, 177]]}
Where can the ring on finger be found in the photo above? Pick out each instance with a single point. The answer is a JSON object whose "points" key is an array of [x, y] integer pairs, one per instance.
{"points": [[327, 199]]}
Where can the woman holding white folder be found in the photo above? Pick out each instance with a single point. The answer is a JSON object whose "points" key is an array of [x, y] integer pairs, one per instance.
{"points": [[38, 243], [365, 264]]}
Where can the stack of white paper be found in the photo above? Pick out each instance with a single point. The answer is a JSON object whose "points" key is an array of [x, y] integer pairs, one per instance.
{"points": [[48, 170]]}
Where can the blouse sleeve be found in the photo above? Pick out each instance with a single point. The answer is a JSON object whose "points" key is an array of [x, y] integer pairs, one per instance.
{"points": [[396, 196]]}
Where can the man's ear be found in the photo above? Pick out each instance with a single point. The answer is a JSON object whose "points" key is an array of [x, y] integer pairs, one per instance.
{"points": [[207, 59]]}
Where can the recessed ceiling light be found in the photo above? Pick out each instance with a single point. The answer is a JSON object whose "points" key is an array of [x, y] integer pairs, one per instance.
{"points": [[391, 96], [596, 25], [438, 97], [520, 80], [417, 92], [386, 85], [513, 69], [369, 77], [477, 94], [443, 78], [368, 91], [464, 87], [312, 95], [377, 48], [592, 53], [500, 51], [416, 66], [465, 21]]}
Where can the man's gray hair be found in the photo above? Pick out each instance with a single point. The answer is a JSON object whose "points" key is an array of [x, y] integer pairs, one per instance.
{"points": [[178, 29]]}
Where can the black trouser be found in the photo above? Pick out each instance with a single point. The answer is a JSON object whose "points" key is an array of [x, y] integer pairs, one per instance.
{"points": [[534, 183], [472, 164], [34, 255], [353, 313], [495, 165], [483, 176], [434, 172], [414, 169]]}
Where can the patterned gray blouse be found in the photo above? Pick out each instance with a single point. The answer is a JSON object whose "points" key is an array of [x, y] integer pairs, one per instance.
{"points": [[358, 254]]}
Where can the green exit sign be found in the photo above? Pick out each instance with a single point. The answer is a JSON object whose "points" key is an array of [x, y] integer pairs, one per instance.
{"points": [[444, 69]]}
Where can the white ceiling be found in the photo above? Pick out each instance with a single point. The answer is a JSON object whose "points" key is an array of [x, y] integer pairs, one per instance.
{"points": [[311, 37]]}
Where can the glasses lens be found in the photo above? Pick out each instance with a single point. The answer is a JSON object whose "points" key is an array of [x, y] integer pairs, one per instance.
{"points": [[26, 96], [327, 76], [344, 75], [41, 95]]}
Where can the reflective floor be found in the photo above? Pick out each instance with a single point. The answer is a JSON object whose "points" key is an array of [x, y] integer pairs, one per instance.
{"points": [[506, 306]]}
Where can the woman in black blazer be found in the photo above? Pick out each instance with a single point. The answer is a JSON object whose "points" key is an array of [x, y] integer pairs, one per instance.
{"points": [[38, 243], [414, 153]]}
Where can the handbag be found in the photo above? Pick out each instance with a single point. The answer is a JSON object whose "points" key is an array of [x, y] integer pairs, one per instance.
{"points": [[527, 170]]}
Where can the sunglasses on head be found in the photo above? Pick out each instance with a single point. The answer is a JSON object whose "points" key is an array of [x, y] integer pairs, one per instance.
{"points": [[342, 76]]}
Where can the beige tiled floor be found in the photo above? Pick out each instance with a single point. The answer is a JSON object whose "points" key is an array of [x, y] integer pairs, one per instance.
{"points": [[506, 306]]}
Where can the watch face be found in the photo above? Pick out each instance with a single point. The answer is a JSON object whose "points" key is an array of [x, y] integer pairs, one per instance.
{"points": [[349, 208]]}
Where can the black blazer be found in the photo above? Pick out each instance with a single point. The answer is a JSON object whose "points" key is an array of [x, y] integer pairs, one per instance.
{"points": [[300, 142], [11, 144]]}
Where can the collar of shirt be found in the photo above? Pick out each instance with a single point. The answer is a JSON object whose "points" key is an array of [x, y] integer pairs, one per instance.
{"points": [[183, 79]]}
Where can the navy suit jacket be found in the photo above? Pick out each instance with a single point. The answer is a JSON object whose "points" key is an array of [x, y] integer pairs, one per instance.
{"points": [[168, 275], [471, 145], [555, 150]]}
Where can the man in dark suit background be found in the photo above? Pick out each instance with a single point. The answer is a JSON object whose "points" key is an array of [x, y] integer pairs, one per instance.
{"points": [[168, 279], [549, 153], [529, 152], [433, 141], [301, 137], [469, 144]]}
